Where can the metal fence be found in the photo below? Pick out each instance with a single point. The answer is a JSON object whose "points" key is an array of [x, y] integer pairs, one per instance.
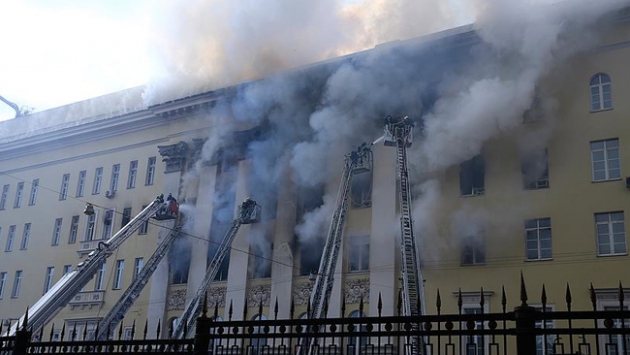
{"points": [[523, 330]]}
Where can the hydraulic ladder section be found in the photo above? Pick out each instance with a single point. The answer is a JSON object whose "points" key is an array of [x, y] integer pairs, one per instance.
{"points": [[69, 285], [248, 212], [359, 160], [116, 314], [398, 133]]}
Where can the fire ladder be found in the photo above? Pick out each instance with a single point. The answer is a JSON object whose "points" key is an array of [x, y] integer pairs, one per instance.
{"points": [[359, 160], [70, 284], [248, 212], [117, 313], [398, 133]]}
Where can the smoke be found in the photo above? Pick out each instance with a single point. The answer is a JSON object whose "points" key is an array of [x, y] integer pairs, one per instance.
{"points": [[465, 96]]}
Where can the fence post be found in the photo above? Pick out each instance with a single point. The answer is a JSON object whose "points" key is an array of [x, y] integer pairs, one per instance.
{"points": [[525, 317], [202, 330]]}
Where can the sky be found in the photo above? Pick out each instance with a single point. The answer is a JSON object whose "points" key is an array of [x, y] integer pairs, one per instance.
{"points": [[63, 51], [58, 52]]}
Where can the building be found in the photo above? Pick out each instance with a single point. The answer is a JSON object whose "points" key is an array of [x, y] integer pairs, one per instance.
{"points": [[555, 210]]}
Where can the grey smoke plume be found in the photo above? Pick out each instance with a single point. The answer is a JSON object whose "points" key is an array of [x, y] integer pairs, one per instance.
{"points": [[469, 97]]}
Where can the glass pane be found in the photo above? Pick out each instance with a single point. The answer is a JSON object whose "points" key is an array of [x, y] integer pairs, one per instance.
{"points": [[613, 153], [594, 90], [608, 103], [530, 223], [532, 254], [532, 245], [616, 216], [619, 238], [597, 145], [612, 143], [620, 248], [604, 249], [599, 175], [598, 155], [602, 229], [545, 234], [599, 166], [602, 217], [544, 222], [617, 227], [545, 253], [614, 174], [545, 243], [613, 164], [604, 78]]}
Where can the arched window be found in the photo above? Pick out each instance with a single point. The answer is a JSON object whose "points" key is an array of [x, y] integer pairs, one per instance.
{"points": [[258, 344], [172, 325], [601, 92], [357, 345]]}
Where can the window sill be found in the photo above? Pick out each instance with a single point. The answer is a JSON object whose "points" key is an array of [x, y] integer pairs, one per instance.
{"points": [[476, 264], [607, 180], [535, 260], [611, 255], [472, 195], [365, 271], [602, 110]]}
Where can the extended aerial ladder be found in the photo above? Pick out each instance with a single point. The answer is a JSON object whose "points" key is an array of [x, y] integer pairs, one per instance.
{"points": [[118, 311], [399, 133], [70, 284], [359, 160], [248, 212]]}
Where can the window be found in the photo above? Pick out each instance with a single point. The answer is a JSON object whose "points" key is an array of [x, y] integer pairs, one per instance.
{"points": [[473, 344], [138, 264], [67, 269], [144, 227], [601, 93], [26, 235], [150, 171], [74, 230], [361, 190], [133, 172], [16, 284], [98, 179], [63, 191], [108, 221], [50, 272], [18, 195], [113, 186], [615, 343], [57, 231], [535, 169], [544, 344], [538, 238], [359, 253], [473, 251], [3, 282], [311, 251], [260, 265], [3, 198], [611, 236], [179, 255], [34, 187], [120, 266], [100, 277], [605, 160], [81, 183], [89, 228], [126, 216], [471, 177], [10, 238], [357, 345]]}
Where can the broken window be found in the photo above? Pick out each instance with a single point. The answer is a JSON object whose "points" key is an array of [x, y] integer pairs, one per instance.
{"points": [[473, 250], [361, 190], [222, 212], [472, 176], [535, 169], [260, 264], [310, 254], [179, 255]]}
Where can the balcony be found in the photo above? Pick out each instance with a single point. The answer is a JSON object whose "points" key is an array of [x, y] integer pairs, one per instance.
{"points": [[87, 300], [86, 247]]}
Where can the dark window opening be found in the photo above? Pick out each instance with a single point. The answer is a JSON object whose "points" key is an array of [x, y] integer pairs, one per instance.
{"points": [[473, 251], [361, 190], [261, 260], [535, 169], [222, 212], [126, 217], [179, 255], [472, 176], [310, 255]]}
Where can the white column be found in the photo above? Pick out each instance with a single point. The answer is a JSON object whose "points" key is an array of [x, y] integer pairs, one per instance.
{"points": [[159, 280], [239, 257], [282, 267], [384, 244], [203, 219], [335, 168]]}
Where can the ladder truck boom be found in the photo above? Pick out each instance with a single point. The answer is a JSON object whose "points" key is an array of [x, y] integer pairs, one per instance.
{"points": [[359, 160], [118, 311], [398, 133], [68, 286], [248, 212]]}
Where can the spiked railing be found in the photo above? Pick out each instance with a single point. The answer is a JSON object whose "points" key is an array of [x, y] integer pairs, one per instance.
{"points": [[525, 330]]}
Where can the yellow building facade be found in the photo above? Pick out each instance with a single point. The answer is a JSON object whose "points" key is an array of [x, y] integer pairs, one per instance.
{"points": [[557, 214]]}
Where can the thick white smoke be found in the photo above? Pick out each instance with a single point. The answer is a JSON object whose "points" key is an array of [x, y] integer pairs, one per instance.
{"points": [[309, 110]]}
